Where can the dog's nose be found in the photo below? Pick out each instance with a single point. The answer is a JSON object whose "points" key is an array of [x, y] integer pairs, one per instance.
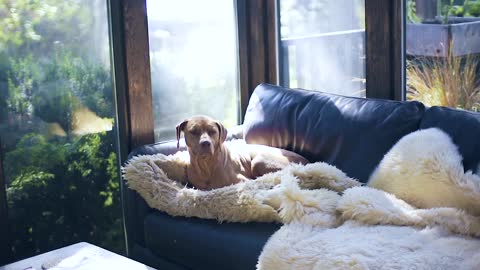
{"points": [[205, 143]]}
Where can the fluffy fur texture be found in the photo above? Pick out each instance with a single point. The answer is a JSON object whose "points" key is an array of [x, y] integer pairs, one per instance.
{"points": [[368, 228], [355, 246], [425, 169], [258, 200]]}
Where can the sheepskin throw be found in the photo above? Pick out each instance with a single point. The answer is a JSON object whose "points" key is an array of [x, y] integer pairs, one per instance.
{"points": [[368, 228], [159, 179], [425, 169]]}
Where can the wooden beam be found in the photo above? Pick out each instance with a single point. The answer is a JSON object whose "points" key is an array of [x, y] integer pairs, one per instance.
{"points": [[384, 22], [257, 43], [243, 56], [138, 73], [378, 50], [131, 59], [272, 30]]}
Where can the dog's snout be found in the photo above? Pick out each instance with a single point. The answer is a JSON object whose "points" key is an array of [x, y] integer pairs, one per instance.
{"points": [[205, 143]]}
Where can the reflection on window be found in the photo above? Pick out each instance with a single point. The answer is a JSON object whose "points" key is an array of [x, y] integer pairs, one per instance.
{"points": [[193, 62], [322, 45], [443, 46], [57, 125]]}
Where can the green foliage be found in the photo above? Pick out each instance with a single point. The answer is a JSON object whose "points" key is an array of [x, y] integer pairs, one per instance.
{"points": [[69, 83], [64, 192], [20, 80], [61, 188], [448, 11], [36, 25], [472, 8], [411, 12], [32, 153]]}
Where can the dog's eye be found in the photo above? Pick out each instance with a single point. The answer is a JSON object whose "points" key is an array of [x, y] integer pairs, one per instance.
{"points": [[195, 131], [212, 132]]}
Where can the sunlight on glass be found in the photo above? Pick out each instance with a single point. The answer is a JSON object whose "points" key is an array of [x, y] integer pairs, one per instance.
{"points": [[193, 51], [323, 45]]}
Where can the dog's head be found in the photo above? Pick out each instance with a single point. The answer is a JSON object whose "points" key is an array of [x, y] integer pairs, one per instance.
{"points": [[203, 135]]}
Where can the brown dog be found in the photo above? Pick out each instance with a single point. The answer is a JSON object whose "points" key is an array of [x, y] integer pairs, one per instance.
{"points": [[215, 164]]}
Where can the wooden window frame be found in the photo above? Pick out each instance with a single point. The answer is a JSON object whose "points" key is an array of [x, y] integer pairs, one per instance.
{"points": [[131, 58], [257, 46], [385, 49], [258, 62]]}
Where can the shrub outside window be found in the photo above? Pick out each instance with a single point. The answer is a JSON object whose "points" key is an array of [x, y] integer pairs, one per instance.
{"points": [[57, 128], [442, 48]]}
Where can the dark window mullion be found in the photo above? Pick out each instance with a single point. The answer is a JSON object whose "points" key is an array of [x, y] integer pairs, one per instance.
{"points": [[243, 55], [384, 22], [257, 32], [398, 37], [115, 12], [134, 95]]}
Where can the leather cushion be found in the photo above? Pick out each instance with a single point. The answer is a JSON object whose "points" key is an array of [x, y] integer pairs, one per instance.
{"points": [[350, 133], [206, 244], [464, 129]]}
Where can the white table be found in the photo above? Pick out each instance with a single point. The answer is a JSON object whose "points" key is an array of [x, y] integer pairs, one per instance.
{"points": [[80, 256]]}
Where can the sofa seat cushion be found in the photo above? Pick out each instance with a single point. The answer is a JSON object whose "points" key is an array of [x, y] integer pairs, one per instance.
{"points": [[350, 133], [206, 244], [464, 129]]}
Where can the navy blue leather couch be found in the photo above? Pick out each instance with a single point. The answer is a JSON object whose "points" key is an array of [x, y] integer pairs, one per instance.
{"points": [[350, 133]]}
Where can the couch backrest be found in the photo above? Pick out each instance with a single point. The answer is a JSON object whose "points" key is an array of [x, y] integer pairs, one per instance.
{"points": [[464, 129], [350, 133]]}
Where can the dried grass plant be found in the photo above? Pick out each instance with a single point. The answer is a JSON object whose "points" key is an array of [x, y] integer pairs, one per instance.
{"points": [[451, 81]]}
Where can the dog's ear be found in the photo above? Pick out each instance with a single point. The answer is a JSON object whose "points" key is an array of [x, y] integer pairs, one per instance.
{"points": [[222, 131], [180, 128]]}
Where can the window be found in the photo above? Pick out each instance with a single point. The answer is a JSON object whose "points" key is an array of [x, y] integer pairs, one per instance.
{"points": [[442, 46], [57, 128], [322, 45], [193, 56]]}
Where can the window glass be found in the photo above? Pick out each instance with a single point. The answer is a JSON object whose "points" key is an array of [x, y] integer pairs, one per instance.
{"points": [[57, 127], [442, 50], [322, 45], [193, 57]]}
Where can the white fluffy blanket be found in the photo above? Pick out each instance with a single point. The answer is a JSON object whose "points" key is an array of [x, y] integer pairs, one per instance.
{"points": [[361, 228], [368, 228]]}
